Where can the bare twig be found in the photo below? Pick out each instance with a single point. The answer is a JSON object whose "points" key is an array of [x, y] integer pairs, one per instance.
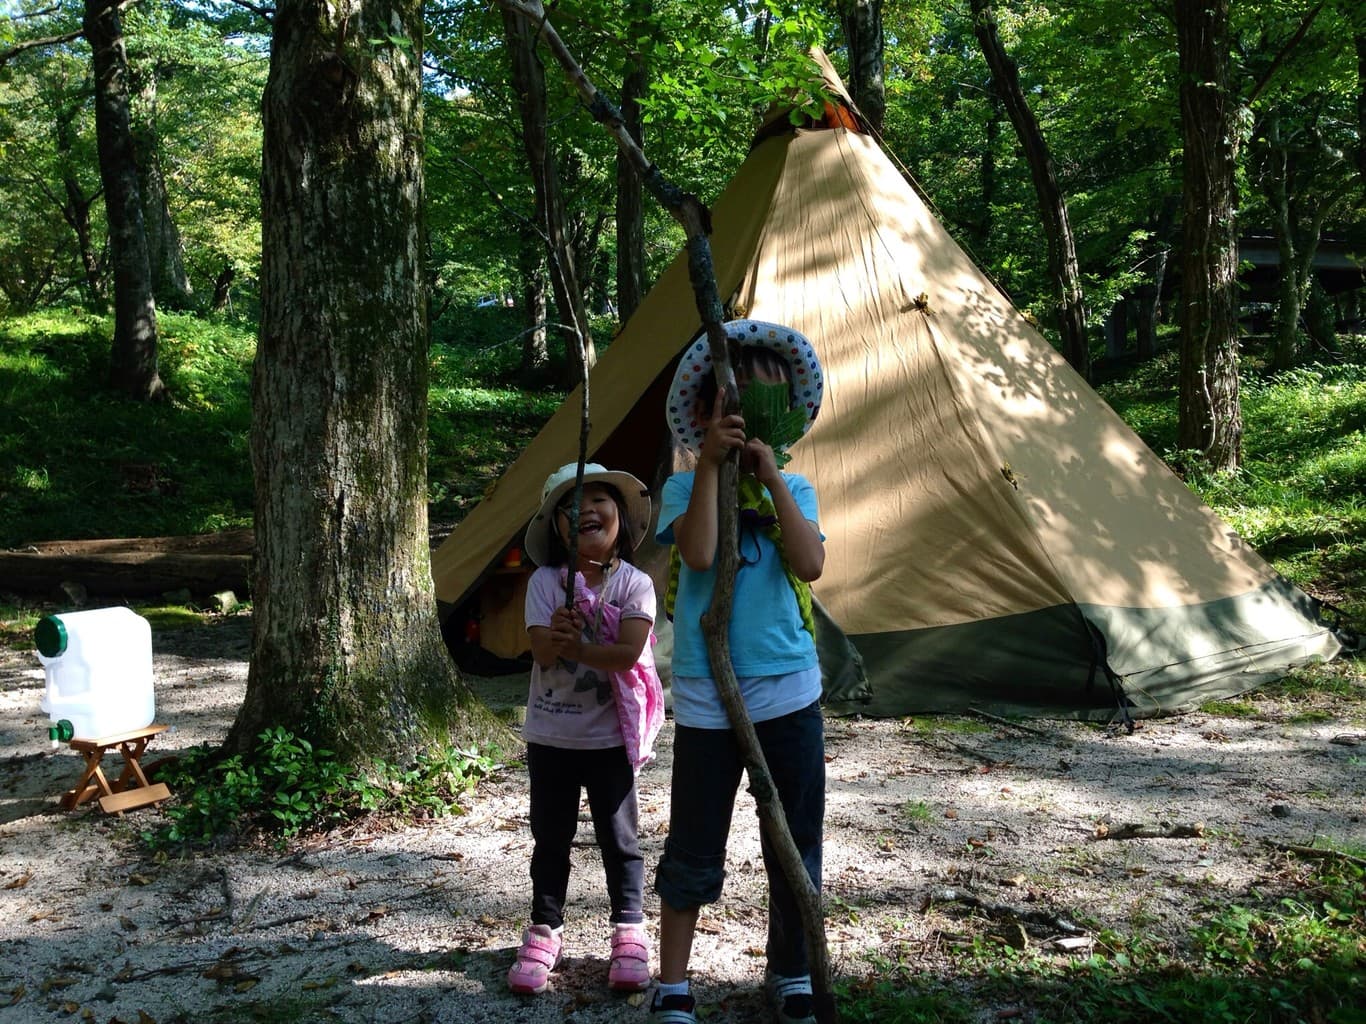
{"points": [[1138, 830], [1315, 852], [988, 717]]}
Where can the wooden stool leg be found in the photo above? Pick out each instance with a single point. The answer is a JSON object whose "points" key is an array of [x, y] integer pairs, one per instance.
{"points": [[85, 789], [132, 776]]}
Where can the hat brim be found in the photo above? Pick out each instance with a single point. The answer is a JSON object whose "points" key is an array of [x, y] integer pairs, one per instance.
{"points": [[808, 379], [634, 493]]}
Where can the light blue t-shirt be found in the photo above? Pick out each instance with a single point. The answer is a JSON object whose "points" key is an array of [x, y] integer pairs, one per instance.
{"points": [[768, 643]]}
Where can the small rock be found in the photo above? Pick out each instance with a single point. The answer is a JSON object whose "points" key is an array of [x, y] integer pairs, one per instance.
{"points": [[1280, 811], [225, 601], [75, 592]]}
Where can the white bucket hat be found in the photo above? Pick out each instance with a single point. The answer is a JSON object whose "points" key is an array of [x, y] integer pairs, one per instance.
{"points": [[634, 493], [808, 382]]}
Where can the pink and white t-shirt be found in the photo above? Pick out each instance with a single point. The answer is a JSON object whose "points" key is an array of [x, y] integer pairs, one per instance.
{"points": [[573, 706]]}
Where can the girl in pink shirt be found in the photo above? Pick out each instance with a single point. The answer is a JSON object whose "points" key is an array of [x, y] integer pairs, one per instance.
{"points": [[594, 707]]}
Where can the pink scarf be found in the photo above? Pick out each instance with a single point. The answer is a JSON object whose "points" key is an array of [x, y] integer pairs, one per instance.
{"points": [[637, 691]]}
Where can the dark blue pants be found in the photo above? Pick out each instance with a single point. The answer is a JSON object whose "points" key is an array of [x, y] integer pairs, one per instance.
{"points": [[557, 777], [706, 777]]}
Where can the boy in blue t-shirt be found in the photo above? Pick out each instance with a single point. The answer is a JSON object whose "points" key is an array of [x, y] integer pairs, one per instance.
{"points": [[773, 652]]}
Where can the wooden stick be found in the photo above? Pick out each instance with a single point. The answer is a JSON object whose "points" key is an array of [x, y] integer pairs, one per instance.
{"points": [[578, 480], [1315, 852], [1138, 830], [696, 222]]}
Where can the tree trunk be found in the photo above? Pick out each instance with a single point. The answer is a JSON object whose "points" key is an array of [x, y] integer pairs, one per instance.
{"points": [[1210, 419], [165, 251], [1149, 296], [528, 78], [1360, 40], [133, 355], [861, 21], [987, 173], [531, 266], [1117, 328], [76, 209], [631, 285], [346, 647], [222, 288], [1062, 252]]}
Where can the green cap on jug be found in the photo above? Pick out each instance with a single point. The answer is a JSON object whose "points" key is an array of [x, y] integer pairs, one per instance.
{"points": [[50, 636]]}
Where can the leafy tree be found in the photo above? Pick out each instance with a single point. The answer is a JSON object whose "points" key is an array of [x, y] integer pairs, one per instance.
{"points": [[51, 220]]}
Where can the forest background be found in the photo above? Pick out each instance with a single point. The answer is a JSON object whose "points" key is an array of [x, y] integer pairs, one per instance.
{"points": [[130, 414]]}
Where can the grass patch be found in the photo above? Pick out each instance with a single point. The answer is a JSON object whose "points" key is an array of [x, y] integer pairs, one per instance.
{"points": [[946, 724], [917, 812], [78, 461], [1230, 708], [1292, 951]]}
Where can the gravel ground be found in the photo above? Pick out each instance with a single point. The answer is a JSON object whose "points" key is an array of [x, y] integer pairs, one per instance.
{"points": [[419, 922]]}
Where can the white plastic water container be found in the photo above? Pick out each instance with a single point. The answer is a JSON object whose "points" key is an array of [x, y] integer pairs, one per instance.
{"points": [[98, 665]]}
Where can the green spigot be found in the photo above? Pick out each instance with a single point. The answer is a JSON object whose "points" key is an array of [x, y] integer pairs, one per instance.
{"points": [[62, 732]]}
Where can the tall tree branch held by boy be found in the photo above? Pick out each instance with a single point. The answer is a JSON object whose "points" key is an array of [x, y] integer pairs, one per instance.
{"points": [[695, 219]]}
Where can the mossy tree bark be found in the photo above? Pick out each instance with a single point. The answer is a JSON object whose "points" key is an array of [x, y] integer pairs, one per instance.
{"points": [[861, 21], [347, 649]]}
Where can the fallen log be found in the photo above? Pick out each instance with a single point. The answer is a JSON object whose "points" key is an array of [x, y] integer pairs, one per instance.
{"points": [[131, 566]]}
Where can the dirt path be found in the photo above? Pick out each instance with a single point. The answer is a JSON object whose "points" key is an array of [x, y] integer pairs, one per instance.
{"points": [[418, 923]]}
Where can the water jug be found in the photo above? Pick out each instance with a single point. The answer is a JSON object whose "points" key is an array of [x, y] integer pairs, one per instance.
{"points": [[98, 666]]}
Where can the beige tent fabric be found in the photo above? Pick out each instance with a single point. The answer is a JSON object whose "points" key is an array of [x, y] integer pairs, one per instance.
{"points": [[965, 471]]}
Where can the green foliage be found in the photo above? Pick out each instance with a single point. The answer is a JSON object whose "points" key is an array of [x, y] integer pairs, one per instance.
{"points": [[77, 461], [770, 417], [289, 786]]}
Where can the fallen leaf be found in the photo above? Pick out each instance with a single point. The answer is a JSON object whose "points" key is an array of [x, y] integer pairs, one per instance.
{"points": [[1014, 881], [127, 923], [245, 985], [139, 880], [19, 882]]}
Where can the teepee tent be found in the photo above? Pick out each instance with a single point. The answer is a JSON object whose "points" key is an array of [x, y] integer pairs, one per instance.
{"points": [[996, 537]]}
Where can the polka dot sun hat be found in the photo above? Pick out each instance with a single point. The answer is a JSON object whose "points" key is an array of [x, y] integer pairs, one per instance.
{"points": [[808, 382]]}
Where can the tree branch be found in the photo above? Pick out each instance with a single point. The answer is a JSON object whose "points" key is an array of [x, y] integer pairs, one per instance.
{"points": [[33, 44], [695, 219], [1280, 58]]}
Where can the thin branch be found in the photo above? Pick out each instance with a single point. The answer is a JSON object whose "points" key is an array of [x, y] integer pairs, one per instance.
{"points": [[1280, 58], [33, 44]]}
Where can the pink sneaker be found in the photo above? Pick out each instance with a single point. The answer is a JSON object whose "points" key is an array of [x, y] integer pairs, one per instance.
{"points": [[539, 955], [630, 970]]}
